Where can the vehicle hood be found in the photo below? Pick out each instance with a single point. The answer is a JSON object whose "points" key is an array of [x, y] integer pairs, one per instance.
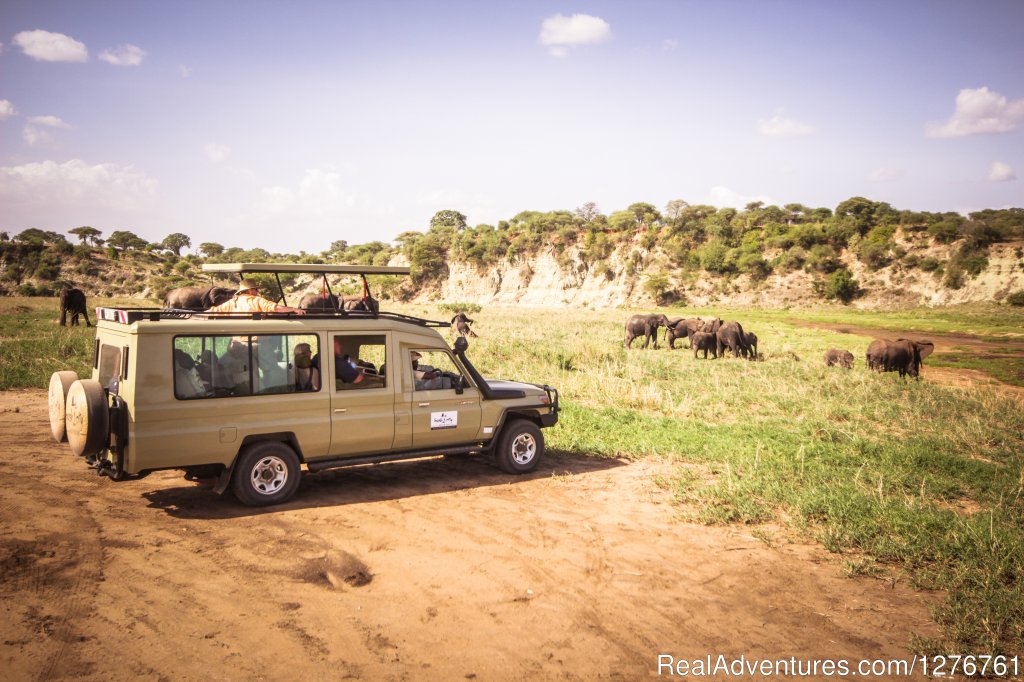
{"points": [[528, 389]]}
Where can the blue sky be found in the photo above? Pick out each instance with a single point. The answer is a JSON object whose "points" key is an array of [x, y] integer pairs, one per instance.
{"points": [[291, 125]]}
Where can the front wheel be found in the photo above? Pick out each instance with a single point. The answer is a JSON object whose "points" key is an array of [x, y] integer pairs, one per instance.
{"points": [[266, 473], [520, 447]]}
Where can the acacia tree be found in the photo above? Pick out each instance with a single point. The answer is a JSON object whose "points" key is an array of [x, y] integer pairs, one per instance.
{"points": [[211, 249], [448, 218], [176, 241], [122, 240], [86, 234]]}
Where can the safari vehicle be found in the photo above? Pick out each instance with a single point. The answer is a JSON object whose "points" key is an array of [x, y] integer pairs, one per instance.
{"points": [[228, 396]]}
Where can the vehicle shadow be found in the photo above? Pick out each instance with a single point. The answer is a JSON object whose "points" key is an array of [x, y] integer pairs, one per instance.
{"points": [[373, 483]]}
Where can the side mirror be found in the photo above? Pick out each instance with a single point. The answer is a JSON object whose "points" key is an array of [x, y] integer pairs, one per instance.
{"points": [[460, 386], [461, 344]]}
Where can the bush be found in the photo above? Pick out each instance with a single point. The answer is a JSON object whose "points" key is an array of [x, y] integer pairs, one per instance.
{"points": [[954, 277], [823, 259], [1016, 298], [873, 254], [841, 286], [753, 264], [930, 264], [456, 308]]}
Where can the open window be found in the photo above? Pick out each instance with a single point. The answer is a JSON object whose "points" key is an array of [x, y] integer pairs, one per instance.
{"points": [[360, 361]]}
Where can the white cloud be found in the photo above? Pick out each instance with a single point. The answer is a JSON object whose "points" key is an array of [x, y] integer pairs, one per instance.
{"points": [[560, 32], [123, 55], [1001, 172], [217, 152], [885, 175], [34, 136], [185, 71], [669, 45], [723, 197], [6, 109], [780, 126], [51, 47], [319, 194], [50, 121], [76, 183], [979, 112]]}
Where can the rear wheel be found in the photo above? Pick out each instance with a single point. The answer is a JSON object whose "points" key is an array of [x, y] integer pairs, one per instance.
{"points": [[266, 473], [520, 447], [57, 398], [87, 418]]}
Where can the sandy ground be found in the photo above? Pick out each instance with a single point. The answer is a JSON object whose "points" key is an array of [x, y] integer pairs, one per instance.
{"points": [[437, 569]]}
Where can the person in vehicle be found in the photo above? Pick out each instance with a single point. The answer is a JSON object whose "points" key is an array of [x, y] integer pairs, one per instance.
{"points": [[345, 371], [428, 378], [247, 299], [187, 383], [307, 377]]}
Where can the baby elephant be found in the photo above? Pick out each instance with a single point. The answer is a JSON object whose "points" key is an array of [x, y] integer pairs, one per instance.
{"points": [[838, 358], [704, 341]]}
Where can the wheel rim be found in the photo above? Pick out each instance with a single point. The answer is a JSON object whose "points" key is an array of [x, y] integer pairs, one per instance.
{"points": [[269, 475], [524, 448]]}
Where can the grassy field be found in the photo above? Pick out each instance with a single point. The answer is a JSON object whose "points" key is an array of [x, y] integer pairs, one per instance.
{"points": [[901, 478]]}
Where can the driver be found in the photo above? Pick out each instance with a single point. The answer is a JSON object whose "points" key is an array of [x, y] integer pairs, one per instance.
{"points": [[428, 378]]}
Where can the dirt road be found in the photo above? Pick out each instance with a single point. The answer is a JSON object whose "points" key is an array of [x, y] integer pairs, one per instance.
{"points": [[437, 569]]}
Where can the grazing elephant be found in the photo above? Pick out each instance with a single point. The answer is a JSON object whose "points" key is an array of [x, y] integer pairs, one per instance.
{"points": [[712, 326], [750, 339], [704, 341], [680, 327], [838, 358], [333, 303], [196, 298], [875, 355], [318, 302], [460, 325], [73, 301], [731, 335], [904, 356], [646, 326]]}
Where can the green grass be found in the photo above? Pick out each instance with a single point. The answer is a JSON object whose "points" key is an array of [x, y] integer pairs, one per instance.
{"points": [[894, 476], [1009, 370]]}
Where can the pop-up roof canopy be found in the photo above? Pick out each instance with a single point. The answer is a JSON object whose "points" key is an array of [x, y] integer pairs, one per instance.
{"points": [[322, 269], [306, 267]]}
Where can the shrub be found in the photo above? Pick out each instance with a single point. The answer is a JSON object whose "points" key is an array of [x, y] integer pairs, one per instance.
{"points": [[1016, 298], [954, 276], [753, 264], [793, 259], [840, 286], [873, 254], [823, 259], [930, 264], [456, 308]]}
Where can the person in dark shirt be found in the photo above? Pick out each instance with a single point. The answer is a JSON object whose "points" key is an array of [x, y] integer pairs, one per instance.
{"points": [[344, 371]]}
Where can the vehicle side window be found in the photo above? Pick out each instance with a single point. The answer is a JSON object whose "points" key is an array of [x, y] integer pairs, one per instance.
{"points": [[226, 366], [110, 364], [359, 361], [434, 370]]}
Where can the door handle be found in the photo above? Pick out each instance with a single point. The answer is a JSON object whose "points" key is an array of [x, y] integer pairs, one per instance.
{"points": [[339, 410], [466, 402], [424, 404]]}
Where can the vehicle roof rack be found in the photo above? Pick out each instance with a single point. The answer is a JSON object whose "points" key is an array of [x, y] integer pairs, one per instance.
{"points": [[316, 268], [131, 315]]}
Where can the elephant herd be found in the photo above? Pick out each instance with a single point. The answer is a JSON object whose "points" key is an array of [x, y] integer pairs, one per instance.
{"points": [[714, 336]]}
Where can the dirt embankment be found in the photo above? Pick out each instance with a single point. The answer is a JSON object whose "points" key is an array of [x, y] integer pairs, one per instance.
{"points": [[437, 569]]}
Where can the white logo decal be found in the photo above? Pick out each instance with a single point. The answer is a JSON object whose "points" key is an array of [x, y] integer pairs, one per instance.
{"points": [[443, 420]]}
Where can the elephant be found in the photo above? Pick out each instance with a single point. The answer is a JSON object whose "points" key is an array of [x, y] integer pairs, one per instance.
{"points": [[875, 353], [902, 355], [731, 335], [460, 325], [680, 327], [750, 339], [704, 341], [712, 326], [838, 358], [646, 326], [333, 303], [73, 301], [196, 298]]}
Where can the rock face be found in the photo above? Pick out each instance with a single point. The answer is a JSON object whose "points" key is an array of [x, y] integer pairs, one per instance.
{"points": [[551, 279]]}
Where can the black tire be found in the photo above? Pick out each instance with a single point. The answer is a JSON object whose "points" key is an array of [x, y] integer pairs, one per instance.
{"points": [[88, 418], [57, 398], [266, 473], [520, 447]]}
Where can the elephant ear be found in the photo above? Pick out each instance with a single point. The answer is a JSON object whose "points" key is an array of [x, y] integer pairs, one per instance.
{"points": [[925, 348]]}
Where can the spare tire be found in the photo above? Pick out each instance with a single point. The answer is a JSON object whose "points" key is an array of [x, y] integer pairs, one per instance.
{"points": [[88, 418], [60, 382]]}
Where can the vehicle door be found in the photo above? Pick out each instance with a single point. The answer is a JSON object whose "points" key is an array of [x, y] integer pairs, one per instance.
{"points": [[443, 413], [362, 408]]}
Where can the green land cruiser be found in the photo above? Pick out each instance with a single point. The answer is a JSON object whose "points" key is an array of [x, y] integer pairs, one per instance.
{"points": [[231, 397]]}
